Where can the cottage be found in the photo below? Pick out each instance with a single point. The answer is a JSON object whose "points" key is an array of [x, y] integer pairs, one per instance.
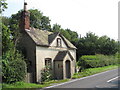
{"points": [[42, 47]]}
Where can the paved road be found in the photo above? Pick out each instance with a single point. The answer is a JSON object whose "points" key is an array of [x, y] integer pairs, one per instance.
{"points": [[108, 79]]}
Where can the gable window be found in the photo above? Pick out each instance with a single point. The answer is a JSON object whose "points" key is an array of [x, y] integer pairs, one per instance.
{"points": [[48, 62], [59, 42]]}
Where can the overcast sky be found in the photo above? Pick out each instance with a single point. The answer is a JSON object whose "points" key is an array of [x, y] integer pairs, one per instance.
{"points": [[97, 16]]}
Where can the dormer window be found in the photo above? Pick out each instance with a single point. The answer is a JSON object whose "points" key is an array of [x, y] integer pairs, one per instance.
{"points": [[59, 42]]}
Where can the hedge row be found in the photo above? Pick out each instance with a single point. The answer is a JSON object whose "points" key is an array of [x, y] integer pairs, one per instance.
{"points": [[93, 61]]}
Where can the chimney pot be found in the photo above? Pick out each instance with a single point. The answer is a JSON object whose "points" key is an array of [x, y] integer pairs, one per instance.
{"points": [[25, 18]]}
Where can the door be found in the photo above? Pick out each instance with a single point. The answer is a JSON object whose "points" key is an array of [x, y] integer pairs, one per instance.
{"points": [[68, 69], [58, 69]]}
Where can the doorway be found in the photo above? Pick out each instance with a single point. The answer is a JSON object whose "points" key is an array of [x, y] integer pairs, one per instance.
{"points": [[58, 70], [68, 69]]}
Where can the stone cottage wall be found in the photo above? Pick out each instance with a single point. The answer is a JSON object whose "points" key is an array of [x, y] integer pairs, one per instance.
{"points": [[29, 50]]}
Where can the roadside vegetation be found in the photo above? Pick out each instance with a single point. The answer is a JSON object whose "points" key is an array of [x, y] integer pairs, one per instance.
{"points": [[92, 64], [91, 71], [86, 72], [23, 84], [94, 61]]}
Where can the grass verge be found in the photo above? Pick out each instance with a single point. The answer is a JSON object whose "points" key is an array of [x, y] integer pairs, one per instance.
{"points": [[91, 71], [32, 85], [86, 72]]}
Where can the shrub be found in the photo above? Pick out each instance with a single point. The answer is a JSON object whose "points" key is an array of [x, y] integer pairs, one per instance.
{"points": [[89, 57], [93, 61], [13, 67], [14, 71], [46, 74]]}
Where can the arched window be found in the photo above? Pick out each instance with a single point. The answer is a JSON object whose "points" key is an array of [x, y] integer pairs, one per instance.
{"points": [[59, 44], [48, 62]]}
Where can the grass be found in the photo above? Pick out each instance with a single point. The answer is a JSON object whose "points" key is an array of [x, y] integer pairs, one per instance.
{"points": [[22, 85], [91, 71], [57, 81], [84, 73], [32, 85]]}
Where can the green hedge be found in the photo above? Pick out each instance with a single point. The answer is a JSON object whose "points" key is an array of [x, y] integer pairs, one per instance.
{"points": [[13, 71], [93, 61], [13, 67]]}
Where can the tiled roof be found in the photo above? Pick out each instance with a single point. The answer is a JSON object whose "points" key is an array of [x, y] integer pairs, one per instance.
{"points": [[45, 38]]}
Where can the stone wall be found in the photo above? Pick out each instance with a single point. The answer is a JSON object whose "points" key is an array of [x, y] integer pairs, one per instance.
{"points": [[29, 50]]}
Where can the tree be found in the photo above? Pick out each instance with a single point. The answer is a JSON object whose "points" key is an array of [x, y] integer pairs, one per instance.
{"points": [[72, 36], [13, 64], [37, 20], [6, 39], [3, 5], [56, 28], [5, 21], [87, 45], [107, 46], [92, 44], [45, 22]]}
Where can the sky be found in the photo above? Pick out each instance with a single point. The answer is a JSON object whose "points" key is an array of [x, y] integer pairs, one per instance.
{"points": [[82, 16]]}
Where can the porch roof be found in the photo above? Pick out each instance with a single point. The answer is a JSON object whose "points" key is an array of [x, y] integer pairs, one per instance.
{"points": [[61, 55]]}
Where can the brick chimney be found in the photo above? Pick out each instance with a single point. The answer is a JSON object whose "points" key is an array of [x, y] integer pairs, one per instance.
{"points": [[25, 19]]}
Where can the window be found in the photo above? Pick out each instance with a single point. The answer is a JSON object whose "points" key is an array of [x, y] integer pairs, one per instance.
{"points": [[58, 42], [48, 62], [29, 63], [24, 52]]}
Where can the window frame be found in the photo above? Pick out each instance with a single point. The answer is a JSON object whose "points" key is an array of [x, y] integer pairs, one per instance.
{"points": [[59, 42], [48, 62]]}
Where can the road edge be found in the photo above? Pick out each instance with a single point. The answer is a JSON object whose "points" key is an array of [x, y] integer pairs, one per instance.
{"points": [[73, 80]]}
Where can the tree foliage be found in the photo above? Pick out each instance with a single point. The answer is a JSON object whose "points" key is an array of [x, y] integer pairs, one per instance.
{"points": [[3, 5], [37, 19], [67, 33], [5, 20], [107, 46], [13, 66], [92, 44], [6, 39]]}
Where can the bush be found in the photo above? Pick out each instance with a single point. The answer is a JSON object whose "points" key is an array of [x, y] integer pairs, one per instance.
{"points": [[46, 74], [93, 61], [14, 71], [13, 67]]}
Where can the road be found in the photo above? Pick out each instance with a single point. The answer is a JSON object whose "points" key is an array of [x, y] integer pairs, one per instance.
{"points": [[108, 79]]}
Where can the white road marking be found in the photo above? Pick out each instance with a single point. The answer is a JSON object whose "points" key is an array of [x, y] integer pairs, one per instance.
{"points": [[112, 79], [78, 79]]}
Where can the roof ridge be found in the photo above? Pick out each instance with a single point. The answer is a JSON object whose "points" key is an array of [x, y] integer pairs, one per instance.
{"points": [[44, 37]]}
